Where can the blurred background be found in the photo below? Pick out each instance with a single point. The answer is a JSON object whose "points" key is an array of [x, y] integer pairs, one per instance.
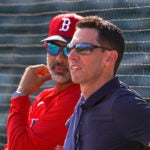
{"points": [[23, 24]]}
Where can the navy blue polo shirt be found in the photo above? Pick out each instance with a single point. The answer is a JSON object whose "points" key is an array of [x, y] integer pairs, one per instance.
{"points": [[115, 117]]}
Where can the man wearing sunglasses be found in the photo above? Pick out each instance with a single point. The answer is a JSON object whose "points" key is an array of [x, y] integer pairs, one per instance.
{"points": [[109, 115], [41, 126]]}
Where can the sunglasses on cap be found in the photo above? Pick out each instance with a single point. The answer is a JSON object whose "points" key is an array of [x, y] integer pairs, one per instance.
{"points": [[83, 48], [54, 49]]}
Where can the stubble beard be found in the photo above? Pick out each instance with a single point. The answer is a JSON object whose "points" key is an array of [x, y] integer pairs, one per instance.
{"points": [[58, 77]]}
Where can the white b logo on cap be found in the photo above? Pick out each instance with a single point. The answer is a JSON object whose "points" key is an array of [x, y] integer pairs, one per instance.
{"points": [[65, 25]]}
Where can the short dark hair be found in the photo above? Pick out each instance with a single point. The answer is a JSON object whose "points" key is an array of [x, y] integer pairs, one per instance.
{"points": [[110, 35]]}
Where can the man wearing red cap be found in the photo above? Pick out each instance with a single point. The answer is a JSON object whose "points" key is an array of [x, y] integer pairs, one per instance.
{"points": [[41, 126]]}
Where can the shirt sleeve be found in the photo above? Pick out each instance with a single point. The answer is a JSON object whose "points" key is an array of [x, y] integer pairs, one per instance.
{"points": [[22, 137], [132, 117], [17, 127], [50, 130]]}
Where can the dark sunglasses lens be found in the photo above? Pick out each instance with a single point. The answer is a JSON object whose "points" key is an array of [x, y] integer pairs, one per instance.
{"points": [[65, 51], [83, 48], [52, 49]]}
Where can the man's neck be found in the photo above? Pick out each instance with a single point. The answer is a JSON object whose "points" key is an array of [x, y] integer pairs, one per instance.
{"points": [[62, 86], [88, 89]]}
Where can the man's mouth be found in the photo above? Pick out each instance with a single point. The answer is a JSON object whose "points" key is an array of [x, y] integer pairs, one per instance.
{"points": [[59, 69], [75, 67]]}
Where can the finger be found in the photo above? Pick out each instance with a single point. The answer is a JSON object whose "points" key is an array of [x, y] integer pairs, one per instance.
{"points": [[45, 78], [42, 70]]}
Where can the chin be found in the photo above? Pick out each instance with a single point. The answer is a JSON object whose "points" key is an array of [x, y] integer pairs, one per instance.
{"points": [[75, 81], [61, 78]]}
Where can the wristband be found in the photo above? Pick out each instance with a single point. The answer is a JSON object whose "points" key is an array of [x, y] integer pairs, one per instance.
{"points": [[17, 94]]}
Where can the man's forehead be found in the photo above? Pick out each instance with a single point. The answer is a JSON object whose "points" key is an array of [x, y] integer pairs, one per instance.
{"points": [[84, 35], [61, 43]]}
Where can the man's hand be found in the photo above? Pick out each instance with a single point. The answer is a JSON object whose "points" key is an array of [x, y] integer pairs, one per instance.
{"points": [[33, 78]]}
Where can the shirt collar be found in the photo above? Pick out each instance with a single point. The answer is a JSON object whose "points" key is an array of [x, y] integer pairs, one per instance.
{"points": [[100, 94]]}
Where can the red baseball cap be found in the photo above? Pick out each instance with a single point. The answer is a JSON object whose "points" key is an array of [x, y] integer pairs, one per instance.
{"points": [[62, 27]]}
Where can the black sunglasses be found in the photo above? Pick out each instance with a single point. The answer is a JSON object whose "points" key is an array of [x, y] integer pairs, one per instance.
{"points": [[54, 49], [83, 48]]}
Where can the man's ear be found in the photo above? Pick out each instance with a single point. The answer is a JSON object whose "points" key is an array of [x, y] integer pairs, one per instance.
{"points": [[111, 57]]}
